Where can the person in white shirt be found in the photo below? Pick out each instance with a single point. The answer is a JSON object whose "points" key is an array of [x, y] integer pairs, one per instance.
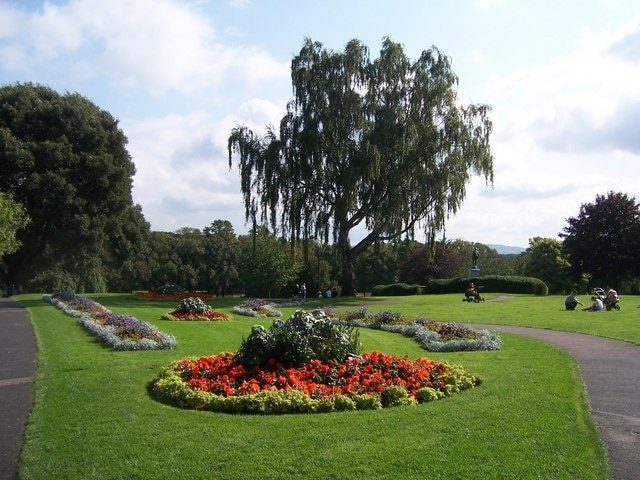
{"points": [[596, 306]]}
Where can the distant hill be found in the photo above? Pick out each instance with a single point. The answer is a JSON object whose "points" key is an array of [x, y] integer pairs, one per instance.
{"points": [[506, 250]]}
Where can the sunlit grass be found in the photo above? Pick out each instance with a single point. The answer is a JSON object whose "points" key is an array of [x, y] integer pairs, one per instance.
{"points": [[93, 417]]}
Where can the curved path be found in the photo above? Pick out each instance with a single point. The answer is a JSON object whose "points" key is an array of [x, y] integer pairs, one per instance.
{"points": [[610, 369], [611, 373]]}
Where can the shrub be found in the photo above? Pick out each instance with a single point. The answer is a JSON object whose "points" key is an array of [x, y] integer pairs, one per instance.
{"points": [[193, 305], [396, 395], [304, 336]]}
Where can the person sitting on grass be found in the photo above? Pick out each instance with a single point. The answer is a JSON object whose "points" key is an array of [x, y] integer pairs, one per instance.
{"points": [[596, 306], [571, 302]]}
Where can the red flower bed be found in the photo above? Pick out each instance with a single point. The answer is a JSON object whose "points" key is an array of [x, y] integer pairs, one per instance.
{"points": [[369, 373], [210, 315]]}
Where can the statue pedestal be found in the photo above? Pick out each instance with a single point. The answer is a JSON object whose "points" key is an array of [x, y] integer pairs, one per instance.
{"points": [[474, 272]]}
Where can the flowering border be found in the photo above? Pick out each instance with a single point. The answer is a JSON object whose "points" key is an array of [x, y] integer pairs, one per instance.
{"points": [[120, 332], [210, 316], [370, 381], [431, 335]]}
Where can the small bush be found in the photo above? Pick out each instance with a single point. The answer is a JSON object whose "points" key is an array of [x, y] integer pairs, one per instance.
{"points": [[304, 336], [193, 305]]}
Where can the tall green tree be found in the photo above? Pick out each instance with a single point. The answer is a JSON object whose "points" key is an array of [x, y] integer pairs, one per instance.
{"points": [[603, 240], [222, 255], [546, 261], [382, 143], [377, 265], [65, 161], [266, 264]]}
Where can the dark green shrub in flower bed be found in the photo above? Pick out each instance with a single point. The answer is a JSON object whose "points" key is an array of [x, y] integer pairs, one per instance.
{"points": [[194, 308], [303, 337]]}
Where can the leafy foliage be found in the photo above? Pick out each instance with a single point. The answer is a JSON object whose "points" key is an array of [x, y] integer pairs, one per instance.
{"points": [[13, 217], [546, 261], [266, 264], [65, 161], [301, 338]]}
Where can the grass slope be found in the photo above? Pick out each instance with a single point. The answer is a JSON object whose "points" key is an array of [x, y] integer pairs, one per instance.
{"points": [[93, 418]]}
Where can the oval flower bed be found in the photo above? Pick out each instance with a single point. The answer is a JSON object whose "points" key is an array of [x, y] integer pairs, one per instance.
{"points": [[254, 380], [120, 332], [370, 381], [194, 309], [432, 336], [257, 307]]}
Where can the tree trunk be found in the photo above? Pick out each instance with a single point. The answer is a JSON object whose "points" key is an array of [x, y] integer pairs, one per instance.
{"points": [[347, 285]]}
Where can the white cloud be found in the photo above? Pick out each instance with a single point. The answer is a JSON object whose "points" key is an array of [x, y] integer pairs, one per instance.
{"points": [[154, 45]]}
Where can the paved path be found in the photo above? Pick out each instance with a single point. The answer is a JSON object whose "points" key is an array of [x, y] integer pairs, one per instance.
{"points": [[17, 369], [611, 373], [610, 369]]}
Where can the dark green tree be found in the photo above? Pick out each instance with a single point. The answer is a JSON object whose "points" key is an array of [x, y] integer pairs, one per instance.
{"points": [[163, 261], [377, 265], [603, 241], [546, 261], [125, 256], [222, 255], [190, 249], [383, 144], [266, 264], [65, 161]]}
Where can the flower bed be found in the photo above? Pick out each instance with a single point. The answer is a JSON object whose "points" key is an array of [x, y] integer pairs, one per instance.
{"points": [[194, 309], [306, 364], [257, 307], [432, 336], [211, 316], [120, 332], [369, 381]]}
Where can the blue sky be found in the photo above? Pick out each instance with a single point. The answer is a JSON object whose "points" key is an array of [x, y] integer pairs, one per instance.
{"points": [[563, 80]]}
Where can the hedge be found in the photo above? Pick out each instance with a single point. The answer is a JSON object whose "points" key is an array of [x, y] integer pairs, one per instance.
{"points": [[396, 289], [486, 284]]}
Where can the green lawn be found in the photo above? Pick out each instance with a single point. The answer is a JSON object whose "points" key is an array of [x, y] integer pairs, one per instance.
{"points": [[93, 417]]}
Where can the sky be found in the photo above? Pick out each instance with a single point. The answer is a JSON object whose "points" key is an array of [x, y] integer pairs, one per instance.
{"points": [[562, 80]]}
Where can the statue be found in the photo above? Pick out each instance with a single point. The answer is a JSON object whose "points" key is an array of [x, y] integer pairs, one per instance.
{"points": [[474, 257]]}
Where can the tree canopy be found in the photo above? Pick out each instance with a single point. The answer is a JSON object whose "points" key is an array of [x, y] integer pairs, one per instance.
{"points": [[546, 261], [382, 144], [603, 240], [65, 161]]}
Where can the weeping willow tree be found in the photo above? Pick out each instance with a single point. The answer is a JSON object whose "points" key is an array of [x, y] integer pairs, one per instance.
{"points": [[381, 144]]}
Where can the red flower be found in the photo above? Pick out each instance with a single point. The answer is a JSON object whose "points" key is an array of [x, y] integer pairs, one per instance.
{"points": [[369, 373]]}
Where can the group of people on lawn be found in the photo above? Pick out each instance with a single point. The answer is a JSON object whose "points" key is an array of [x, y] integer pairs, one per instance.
{"points": [[597, 305]]}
